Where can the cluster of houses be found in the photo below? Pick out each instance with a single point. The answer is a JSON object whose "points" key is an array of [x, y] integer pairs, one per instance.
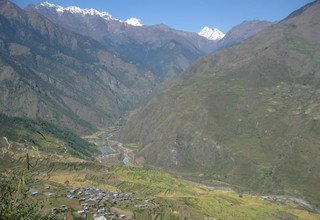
{"points": [[98, 203]]}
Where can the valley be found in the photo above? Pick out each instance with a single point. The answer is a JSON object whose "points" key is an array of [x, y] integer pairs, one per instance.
{"points": [[79, 188], [129, 160], [246, 116], [111, 150], [108, 118], [66, 185], [126, 157]]}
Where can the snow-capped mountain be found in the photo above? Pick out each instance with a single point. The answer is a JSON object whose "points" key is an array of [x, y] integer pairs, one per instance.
{"points": [[211, 34], [134, 22], [162, 50], [88, 11], [77, 10]]}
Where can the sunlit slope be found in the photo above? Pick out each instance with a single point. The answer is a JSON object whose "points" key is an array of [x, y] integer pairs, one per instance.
{"points": [[248, 115], [176, 198]]}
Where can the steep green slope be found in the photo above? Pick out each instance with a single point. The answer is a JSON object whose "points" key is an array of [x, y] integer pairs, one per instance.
{"points": [[42, 136], [248, 115], [47, 72]]}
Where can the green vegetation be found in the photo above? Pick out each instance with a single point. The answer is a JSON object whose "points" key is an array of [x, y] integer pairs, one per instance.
{"points": [[14, 202], [15, 196], [301, 46], [175, 198], [44, 135], [247, 116], [171, 197]]}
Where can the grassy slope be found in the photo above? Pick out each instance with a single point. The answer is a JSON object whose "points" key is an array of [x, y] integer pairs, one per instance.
{"points": [[44, 136], [177, 199], [248, 115]]}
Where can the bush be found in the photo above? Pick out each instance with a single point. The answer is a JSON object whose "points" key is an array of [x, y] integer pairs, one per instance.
{"points": [[14, 201]]}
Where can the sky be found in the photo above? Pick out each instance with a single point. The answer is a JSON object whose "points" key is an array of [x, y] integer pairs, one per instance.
{"points": [[188, 15]]}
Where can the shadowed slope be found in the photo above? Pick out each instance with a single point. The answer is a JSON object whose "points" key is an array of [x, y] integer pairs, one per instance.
{"points": [[47, 72]]}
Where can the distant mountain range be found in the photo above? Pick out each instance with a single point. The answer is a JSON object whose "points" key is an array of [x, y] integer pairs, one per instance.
{"points": [[81, 68], [160, 49], [248, 115], [164, 51]]}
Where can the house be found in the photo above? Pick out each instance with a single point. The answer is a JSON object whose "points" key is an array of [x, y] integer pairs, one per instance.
{"points": [[141, 206], [101, 211], [35, 193], [100, 218], [80, 212], [71, 196], [72, 191]]}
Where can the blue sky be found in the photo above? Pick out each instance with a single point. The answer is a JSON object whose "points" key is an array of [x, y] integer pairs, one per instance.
{"points": [[189, 15]]}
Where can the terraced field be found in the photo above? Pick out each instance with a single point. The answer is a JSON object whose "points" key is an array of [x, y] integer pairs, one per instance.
{"points": [[175, 198]]}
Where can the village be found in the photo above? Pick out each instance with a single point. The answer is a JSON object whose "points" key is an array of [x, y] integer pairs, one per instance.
{"points": [[99, 204]]}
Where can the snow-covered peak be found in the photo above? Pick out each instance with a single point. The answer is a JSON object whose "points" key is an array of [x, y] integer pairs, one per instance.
{"points": [[134, 21], [77, 10], [211, 34], [47, 4], [87, 11]]}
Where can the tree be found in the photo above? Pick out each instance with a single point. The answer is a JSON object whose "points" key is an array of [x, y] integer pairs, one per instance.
{"points": [[14, 201]]}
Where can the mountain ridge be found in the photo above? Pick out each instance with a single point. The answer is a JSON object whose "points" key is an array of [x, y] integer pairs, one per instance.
{"points": [[145, 46], [48, 72], [243, 31], [246, 115], [164, 51]]}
